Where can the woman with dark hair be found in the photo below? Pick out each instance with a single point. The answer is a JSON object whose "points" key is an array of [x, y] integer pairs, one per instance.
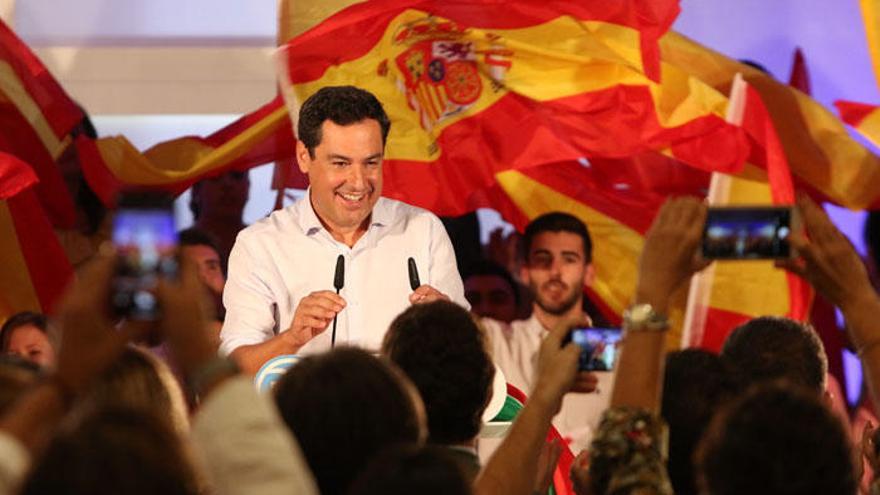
{"points": [[26, 335]]}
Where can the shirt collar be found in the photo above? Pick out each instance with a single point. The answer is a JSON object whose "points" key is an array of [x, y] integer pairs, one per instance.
{"points": [[310, 223]]}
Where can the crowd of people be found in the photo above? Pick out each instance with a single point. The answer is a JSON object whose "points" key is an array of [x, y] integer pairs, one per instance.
{"points": [[399, 358]]}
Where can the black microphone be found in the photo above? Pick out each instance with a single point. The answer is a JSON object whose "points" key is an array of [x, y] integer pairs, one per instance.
{"points": [[413, 274], [338, 283]]}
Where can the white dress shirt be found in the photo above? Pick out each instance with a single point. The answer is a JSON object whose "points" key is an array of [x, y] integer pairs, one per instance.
{"points": [[283, 258], [515, 349]]}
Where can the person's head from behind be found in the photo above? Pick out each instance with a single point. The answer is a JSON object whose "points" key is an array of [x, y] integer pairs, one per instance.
{"points": [[140, 380], [26, 335], [696, 383], [341, 143], [491, 290], [343, 408], [200, 247], [410, 469], [771, 348], [778, 438], [222, 197], [440, 348], [558, 255], [113, 450]]}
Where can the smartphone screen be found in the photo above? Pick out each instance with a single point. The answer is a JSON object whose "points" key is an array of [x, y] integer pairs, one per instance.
{"points": [[145, 237], [747, 233], [599, 347]]}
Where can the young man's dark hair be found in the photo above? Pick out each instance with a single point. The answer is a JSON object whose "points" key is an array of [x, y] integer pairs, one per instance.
{"points": [[441, 349], [769, 348], [344, 407], [410, 469], [196, 237], [557, 222], [19, 320], [778, 438], [695, 385], [342, 105]]}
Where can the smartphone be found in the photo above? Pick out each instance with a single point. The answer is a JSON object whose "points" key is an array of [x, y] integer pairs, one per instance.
{"points": [[145, 237], [748, 233], [599, 347]]}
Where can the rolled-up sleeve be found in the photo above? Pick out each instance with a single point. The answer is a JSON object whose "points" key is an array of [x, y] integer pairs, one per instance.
{"points": [[248, 298], [444, 269]]}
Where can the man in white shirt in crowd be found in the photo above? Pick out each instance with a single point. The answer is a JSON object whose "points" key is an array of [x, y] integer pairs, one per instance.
{"points": [[280, 296], [558, 255]]}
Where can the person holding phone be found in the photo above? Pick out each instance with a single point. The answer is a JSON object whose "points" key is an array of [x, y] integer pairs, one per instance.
{"points": [[557, 266], [279, 294]]}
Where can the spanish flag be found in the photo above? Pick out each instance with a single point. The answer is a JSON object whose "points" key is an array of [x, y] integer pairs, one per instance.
{"points": [[478, 88], [111, 164], [34, 271], [824, 159], [36, 116]]}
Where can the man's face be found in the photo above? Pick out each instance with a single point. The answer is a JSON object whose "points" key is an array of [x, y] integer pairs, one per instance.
{"points": [[556, 271], [208, 261], [345, 174], [492, 296]]}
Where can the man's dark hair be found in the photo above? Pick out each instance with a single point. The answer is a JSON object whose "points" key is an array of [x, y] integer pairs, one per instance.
{"points": [[484, 267], [408, 469], [194, 236], [769, 348], [114, 450], [439, 346], [344, 407], [695, 385], [780, 439], [19, 320], [557, 222], [342, 105]]}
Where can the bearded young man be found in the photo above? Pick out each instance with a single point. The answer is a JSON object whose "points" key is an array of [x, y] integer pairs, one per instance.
{"points": [[558, 265], [279, 296]]}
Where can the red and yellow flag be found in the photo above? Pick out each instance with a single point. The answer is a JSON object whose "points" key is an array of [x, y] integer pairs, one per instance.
{"points": [[730, 293], [477, 88], [823, 157], [36, 116], [113, 163], [34, 271]]}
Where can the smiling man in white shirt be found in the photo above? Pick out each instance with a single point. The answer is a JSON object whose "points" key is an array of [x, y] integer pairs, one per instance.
{"points": [[279, 296]]}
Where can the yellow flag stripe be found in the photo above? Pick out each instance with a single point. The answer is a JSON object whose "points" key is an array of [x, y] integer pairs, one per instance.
{"points": [[871, 18], [13, 90], [17, 293]]}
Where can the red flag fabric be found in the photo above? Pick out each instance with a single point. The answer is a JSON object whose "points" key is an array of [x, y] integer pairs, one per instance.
{"points": [[35, 270], [799, 77], [35, 117]]}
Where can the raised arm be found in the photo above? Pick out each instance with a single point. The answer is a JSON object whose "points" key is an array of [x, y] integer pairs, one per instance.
{"points": [[511, 470]]}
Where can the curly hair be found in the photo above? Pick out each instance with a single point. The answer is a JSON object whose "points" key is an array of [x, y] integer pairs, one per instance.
{"points": [[442, 350]]}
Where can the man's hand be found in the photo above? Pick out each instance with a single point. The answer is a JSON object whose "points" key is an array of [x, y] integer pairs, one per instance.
{"points": [[313, 315], [827, 259], [670, 255], [425, 294], [185, 317], [89, 344], [558, 366]]}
